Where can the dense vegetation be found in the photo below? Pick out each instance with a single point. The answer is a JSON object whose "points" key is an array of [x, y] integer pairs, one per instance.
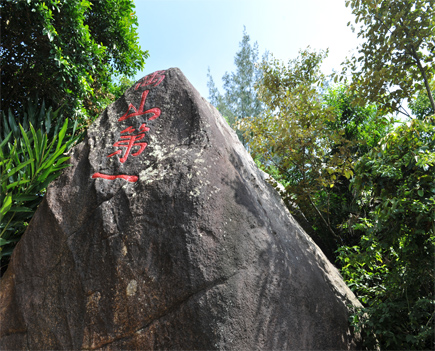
{"points": [[66, 52], [358, 169], [62, 63]]}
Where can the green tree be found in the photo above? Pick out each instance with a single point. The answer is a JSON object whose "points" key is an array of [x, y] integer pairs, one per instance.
{"points": [[363, 128], [392, 268], [293, 140], [66, 52], [396, 59], [308, 139], [240, 98], [363, 124]]}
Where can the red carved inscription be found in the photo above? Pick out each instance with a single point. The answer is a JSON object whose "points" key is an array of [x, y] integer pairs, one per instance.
{"points": [[128, 178], [155, 111], [152, 79], [130, 140]]}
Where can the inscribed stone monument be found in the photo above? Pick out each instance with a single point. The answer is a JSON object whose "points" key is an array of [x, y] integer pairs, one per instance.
{"points": [[165, 235]]}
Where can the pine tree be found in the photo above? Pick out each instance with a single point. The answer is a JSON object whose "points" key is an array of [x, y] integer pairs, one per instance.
{"points": [[240, 98]]}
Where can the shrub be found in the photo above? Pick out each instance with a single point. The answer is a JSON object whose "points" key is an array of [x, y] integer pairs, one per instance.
{"points": [[32, 154]]}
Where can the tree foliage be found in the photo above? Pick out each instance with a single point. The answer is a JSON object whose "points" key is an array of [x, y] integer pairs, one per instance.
{"points": [[392, 268], [363, 127], [32, 154], [240, 98], [420, 105], [66, 52], [307, 139], [364, 124], [396, 59]]}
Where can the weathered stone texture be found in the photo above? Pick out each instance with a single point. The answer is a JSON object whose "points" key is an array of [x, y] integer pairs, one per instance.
{"points": [[198, 253]]}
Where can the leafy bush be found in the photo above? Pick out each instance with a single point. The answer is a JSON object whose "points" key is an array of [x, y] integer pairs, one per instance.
{"points": [[392, 269], [31, 156]]}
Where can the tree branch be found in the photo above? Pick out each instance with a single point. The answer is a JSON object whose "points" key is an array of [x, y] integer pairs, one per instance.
{"points": [[321, 216], [423, 73]]}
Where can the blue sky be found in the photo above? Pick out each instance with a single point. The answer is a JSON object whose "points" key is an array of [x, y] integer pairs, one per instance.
{"points": [[196, 34]]}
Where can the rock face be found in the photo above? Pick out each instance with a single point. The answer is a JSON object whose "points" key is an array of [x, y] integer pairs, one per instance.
{"points": [[164, 235]]}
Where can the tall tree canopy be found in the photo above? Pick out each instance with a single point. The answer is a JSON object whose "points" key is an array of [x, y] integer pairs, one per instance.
{"points": [[65, 51], [308, 138], [240, 98], [396, 59]]}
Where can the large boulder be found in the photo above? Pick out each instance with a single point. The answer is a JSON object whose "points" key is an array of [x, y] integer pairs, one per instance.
{"points": [[165, 235]]}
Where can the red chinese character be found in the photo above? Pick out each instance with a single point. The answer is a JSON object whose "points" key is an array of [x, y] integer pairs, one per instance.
{"points": [[154, 78], [155, 111], [129, 141], [128, 178]]}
